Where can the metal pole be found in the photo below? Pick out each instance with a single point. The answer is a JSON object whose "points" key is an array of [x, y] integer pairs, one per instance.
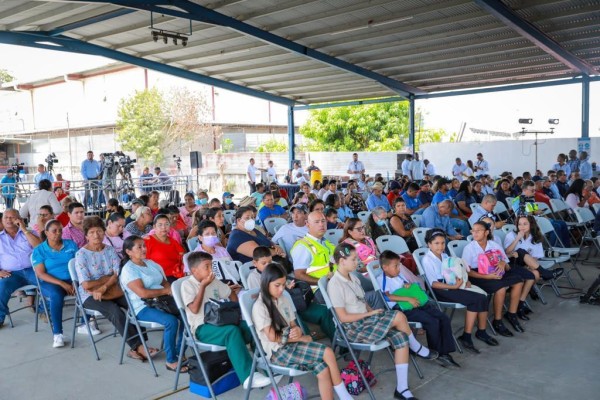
{"points": [[291, 138], [585, 106], [411, 123]]}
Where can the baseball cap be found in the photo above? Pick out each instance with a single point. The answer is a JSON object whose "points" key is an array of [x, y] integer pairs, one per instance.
{"points": [[301, 207], [227, 194], [138, 201]]}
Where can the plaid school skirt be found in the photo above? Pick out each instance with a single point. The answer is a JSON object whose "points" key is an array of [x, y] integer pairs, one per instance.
{"points": [[376, 328], [302, 356]]}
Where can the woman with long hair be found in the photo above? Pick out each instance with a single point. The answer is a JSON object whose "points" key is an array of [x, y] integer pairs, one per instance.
{"points": [[402, 225], [575, 196], [115, 224], [464, 198]]}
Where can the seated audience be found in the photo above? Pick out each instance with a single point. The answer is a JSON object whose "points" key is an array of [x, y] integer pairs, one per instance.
{"points": [[141, 224], [45, 214], [74, 229], [163, 250], [270, 209], [377, 199], [464, 198], [290, 233], [188, 209], [438, 216], [376, 223], [44, 196], [411, 199], [114, 230], [425, 194], [402, 225]]}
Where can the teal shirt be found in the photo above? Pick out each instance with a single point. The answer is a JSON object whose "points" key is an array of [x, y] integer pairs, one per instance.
{"points": [[56, 262]]}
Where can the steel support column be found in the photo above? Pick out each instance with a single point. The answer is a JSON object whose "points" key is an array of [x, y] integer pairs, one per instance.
{"points": [[585, 107], [291, 137], [411, 123]]}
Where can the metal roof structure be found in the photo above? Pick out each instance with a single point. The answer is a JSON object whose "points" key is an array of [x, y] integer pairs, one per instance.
{"points": [[300, 52]]}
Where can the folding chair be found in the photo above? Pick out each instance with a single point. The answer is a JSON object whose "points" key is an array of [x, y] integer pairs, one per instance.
{"points": [[566, 253], [30, 290], [474, 206], [509, 228], [341, 340], [82, 312], [374, 273], [288, 251], [192, 243], [586, 219], [245, 270], [139, 324], [189, 339], [273, 224], [419, 234], [563, 212], [229, 214], [259, 358], [334, 235], [500, 234], [596, 207], [392, 242], [509, 200], [363, 216], [544, 207], [500, 208], [456, 247], [416, 219]]}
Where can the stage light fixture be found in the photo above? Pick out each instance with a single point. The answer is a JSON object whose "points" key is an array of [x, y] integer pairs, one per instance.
{"points": [[553, 121], [525, 120]]}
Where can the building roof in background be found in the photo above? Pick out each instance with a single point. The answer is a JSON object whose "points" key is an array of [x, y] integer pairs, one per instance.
{"points": [[306, 52]]}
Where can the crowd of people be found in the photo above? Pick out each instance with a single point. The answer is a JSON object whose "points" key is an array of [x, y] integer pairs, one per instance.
{"points": [[140, 252]]}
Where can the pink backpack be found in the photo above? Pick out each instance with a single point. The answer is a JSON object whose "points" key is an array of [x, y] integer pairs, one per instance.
{"points": [[488, 261], [291, 391], [352, 379]]}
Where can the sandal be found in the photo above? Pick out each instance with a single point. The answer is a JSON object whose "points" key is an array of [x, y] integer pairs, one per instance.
{"points": [[136, 355], [184, 368]]}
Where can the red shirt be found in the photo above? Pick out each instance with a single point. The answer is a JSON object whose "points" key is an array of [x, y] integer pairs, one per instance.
{"points": [[541, 197], [63, 218], [168, 255], [392, 197]]}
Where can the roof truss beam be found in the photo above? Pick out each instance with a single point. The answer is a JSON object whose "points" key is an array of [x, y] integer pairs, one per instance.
{"points": [[90, 21], [524, 28]]}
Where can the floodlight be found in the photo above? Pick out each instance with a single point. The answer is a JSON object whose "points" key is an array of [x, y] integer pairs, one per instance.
{"points": [[553, 121], [525, 120]]}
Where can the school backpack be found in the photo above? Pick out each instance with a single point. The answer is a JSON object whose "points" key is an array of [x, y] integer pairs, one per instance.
{"points": [[292, 391]]}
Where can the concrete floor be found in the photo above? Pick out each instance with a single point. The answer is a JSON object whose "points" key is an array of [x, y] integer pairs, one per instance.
{"points": [[556, 358]]}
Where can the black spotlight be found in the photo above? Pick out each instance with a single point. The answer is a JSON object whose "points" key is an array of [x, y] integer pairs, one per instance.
{"points": [[184, 42], [165, 39], [175, 41], [525, 120], [553, 121]]}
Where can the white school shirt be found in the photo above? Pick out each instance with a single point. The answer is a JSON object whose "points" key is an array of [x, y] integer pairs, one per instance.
{"points": [[536, 250], [391, 285], [473, 250], [433, 267], [483, 164]]}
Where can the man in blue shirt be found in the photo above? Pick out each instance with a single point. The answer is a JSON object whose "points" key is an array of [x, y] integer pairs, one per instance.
{"points": [[413, 204], [585, 168], [438, 216], [90, 171], [377, 199], [270, 209], [42, 174]]}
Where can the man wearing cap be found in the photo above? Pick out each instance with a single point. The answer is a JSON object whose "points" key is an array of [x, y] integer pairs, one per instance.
{"points": [[417, 168], [228, 201], [135, 204], [377, 199], [9, 188], [290, 233], [356, 168], [394, 191], [458, 169], [481, 166]]}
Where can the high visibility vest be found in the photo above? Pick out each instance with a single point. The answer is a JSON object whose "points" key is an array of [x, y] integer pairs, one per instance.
{"points": [[321, 254]]}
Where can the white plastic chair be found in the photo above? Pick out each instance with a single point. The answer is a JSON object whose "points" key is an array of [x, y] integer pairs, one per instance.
{"points": [[245, 270], [509, 228], [229, 214], [259, 359], [392, 242], [273, 224], [586, 218], [473, 206], [416, 219], [334, 235], [189, 339], [192, 243], [363, 216], [456, 247], [419, 234]]}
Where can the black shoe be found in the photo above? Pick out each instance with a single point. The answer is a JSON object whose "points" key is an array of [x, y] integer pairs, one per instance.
{"points": [[468, 345], [400, 396], [449, 358], [512, 319], [533, 295], [526, 309], [444, 361], [557, 272], [431, 356], [522, 315], [501, 329], [547, 274], [487, 339]]}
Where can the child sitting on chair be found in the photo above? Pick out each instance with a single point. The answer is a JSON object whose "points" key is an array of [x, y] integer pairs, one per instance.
{"points": [[365, 325], [411, 299], [195, 292], [284, 342]]}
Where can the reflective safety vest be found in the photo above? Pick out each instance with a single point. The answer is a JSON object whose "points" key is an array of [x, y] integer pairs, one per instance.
{"points": [[321, 256]]}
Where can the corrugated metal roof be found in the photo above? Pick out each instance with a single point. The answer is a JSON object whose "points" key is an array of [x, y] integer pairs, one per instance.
{"points": [[431, 45]]}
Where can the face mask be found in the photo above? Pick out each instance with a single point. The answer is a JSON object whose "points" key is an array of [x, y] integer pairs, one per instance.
{"points": [[228, 200], [202, 202], [249, 225], [210, 241], [381, 222]]}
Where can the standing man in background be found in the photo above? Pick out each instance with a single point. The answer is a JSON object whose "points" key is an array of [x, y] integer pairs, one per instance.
{"points": [[42, 174], [458, 169], [356, 168], [251, 172], [417, 168], [429, 168], [271, 172], [90, 171], [405, 166], [585, 168], [481, 166]]}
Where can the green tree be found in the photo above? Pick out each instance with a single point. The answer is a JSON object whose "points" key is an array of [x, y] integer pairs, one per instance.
{"points": [[273, 146], [377, 127], [432, 136], [5, 76], [142, 123]]}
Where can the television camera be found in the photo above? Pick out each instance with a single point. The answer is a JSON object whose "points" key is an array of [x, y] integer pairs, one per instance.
{"points": [[50, 161]]}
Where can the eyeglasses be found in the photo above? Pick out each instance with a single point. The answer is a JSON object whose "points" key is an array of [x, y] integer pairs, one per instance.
{"points": [[360, 229], [43, 215]]}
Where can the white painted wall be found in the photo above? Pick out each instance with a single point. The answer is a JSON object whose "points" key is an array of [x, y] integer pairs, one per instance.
{"points": [[508, 155]]}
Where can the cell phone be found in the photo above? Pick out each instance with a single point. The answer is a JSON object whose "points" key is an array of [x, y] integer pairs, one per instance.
{"points": [[228, 282]]}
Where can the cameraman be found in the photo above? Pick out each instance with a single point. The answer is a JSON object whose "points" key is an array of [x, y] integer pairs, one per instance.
{"points": [[90, 171], [9, 187], [42, 174]]}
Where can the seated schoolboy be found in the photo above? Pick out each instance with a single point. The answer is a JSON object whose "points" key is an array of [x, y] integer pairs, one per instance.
{"points": [[283, 340], [315, 313], [196, 291], [331, 215], [413, 303]]}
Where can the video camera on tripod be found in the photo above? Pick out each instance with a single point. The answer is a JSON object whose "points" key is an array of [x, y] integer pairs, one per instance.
{"points": [[112, 162], [177, 161], [50, 161], [18, 167]]}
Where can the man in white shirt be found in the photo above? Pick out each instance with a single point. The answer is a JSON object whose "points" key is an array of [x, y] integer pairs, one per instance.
{"points": [[251, 172], [295, 230], [43, 197], [429, 168], [481, 166], [298, 175], [271, 173], [585, 168], [417, 168], [405, 166], [458, 169], [356, 168]]}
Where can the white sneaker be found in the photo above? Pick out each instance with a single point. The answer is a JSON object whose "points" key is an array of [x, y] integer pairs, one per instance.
{"points": [[93, 327], [59, 341], [260, 380]]}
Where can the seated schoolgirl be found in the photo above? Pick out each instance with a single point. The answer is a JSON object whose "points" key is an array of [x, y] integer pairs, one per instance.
{"points": [[195, 292], [366, 325], [499, 277], [410, 298], [284, 342], [457, 291], [524, 248]]}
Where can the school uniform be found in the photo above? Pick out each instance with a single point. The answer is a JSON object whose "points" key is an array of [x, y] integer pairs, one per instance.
{"points": [[437, 325], [348, 293], [475, 302], [524, 247], [297, 355]]}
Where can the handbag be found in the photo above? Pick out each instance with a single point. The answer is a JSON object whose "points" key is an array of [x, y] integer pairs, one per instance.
{"points": [[302, 295], [219, 313], [488, 261], [163, 303], [352, 379], [291, 391]]}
